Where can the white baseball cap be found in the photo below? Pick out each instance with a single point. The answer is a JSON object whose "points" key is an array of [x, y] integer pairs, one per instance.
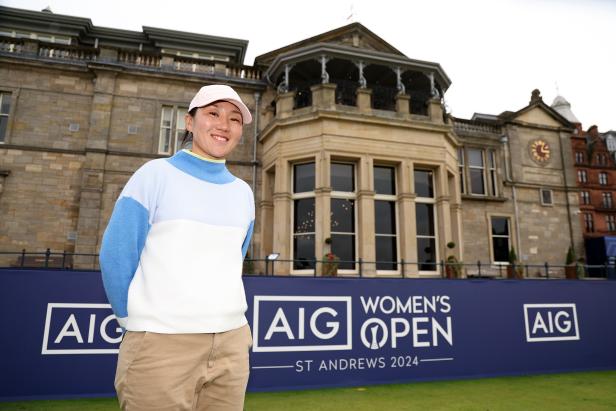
{"points": [[217, 92]]}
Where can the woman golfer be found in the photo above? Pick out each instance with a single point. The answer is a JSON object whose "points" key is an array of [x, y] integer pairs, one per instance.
{"points": [[171, 260]]}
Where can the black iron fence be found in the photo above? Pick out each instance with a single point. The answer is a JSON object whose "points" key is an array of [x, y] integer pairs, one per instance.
{"points": [[334, 268]]}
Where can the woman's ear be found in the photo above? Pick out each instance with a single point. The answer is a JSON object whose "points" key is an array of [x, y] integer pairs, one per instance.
{"points": [[188, 122]]}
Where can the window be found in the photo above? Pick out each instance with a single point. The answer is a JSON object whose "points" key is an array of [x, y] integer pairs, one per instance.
{"points": [[492, 172], [582, 176], [603, 178], [607, 200], [343, 214], [425, 220], [546, 197], [172, 129], [500, 239], [588, 223], [601, 159], [385, 218], [610, 222], [303, 216], [5, 108], [585, 197], [579, 157], [461, 169], [476, 169]]}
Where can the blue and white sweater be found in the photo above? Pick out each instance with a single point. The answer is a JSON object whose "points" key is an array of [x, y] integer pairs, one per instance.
{"points": [[172, 254]]}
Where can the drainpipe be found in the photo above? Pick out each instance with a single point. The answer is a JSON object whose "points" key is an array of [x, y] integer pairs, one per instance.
{"points": [[504, 141], [254, 161], [562, 159]]}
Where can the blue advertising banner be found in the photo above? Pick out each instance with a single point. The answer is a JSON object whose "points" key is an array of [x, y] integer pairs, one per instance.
{"points": [[60, 339]]}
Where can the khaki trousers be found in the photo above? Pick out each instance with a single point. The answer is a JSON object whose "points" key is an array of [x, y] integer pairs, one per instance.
{"points": [[183, 371]]}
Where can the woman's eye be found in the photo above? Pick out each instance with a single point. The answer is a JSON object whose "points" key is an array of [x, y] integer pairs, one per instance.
{"points": [[237, 120], [213, 113]]}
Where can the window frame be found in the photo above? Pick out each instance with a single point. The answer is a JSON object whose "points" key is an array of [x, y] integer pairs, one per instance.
{"points": [[610, 222], [9, 95], [483, 168], [431, 201], [582, 176], [546, 190], [606, 199], [579, 157], [391, 198], [489, 172], [603, 179], [300, 196], [347, 195], [585, 196], [491, 236], [177, 111], [589, 225]]}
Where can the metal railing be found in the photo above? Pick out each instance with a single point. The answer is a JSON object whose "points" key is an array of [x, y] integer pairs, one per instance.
{"points": [[48, 259], [384, 98], [328, 268]]}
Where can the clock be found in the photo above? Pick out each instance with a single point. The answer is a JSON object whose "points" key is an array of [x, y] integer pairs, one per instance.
{"points": [[540, 151]]}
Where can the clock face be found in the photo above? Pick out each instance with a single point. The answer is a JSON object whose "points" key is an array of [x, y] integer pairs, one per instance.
{"points": [[540, 151]]}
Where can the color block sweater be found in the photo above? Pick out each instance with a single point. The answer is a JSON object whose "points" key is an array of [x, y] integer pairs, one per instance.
{"points": [[171, 257]]}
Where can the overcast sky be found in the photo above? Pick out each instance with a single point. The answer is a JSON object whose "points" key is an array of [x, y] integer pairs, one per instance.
{"points": [[495, 52]]}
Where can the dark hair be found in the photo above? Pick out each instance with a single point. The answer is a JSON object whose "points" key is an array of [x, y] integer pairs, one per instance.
{"points": [[187, 134]]}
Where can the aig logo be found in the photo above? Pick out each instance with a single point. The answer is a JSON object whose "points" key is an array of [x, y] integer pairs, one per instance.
{"points": [[551, 322], [80, 329], [301, 323]]}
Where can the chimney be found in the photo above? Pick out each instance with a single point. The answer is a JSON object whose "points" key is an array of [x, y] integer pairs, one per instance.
{"points": [[535, 96]]}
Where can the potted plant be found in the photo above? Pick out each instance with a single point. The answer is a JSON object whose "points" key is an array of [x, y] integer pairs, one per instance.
{"points": [[570, 266], [453, 267], [514, 270], [330, 265]]}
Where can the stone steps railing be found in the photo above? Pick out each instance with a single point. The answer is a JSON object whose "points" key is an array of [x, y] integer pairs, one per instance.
{"points": [[138, 58]]}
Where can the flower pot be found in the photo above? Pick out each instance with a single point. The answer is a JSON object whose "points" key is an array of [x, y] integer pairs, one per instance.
{"points": [[571, 272]]}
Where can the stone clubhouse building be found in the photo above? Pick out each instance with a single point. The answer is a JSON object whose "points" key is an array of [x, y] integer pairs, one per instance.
{"points": [[351, 150]]}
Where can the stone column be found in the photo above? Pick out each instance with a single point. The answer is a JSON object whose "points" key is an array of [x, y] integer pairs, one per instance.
{"points": [[324, 96], [364, 100], [403, 104], [408, 229], [282, 216], [443, 213], [284, 104], [435, 110], [322, 204], [92, 179], [266, 209], [365, 201]]}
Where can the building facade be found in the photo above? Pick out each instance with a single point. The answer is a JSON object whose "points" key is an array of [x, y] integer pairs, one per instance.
{"points": [[351, 151]]}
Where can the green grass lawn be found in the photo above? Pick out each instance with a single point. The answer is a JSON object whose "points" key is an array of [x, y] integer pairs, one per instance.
{"points": [[574, 391]]}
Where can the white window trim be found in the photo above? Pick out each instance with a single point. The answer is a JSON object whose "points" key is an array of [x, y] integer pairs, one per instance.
{"points": [[429, 200], [394, 198], [551, 203], [300, 196], [176, 112], [483, 173], [9, 95], [348, 196], [491, 236]]}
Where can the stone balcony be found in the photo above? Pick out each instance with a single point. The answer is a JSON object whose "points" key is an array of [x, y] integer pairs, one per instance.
{"points": [[34, 49], [324, 97]]}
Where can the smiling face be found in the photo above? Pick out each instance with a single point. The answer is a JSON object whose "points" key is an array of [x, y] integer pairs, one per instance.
{"points": [[216, 129]]}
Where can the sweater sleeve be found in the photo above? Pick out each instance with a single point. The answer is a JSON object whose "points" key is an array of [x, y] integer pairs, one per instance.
{"points": [[246, 243], [124, 239]]}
